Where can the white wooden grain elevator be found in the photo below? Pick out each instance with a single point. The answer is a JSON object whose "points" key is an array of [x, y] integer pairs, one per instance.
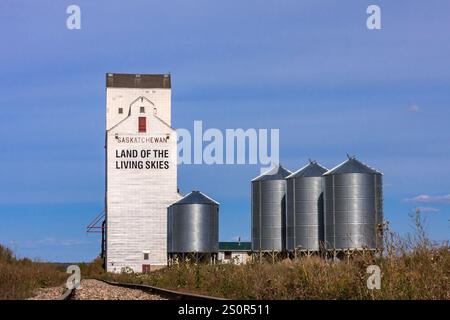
{"points": [[141, 170]]}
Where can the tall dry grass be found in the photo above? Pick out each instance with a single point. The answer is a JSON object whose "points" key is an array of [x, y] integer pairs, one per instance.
{"points": [[20, 278], [412, 268]]}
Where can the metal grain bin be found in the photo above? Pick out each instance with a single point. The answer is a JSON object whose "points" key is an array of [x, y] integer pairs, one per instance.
{"points": [[353, 206], [304, 208], [269, 210], [193, 225]]}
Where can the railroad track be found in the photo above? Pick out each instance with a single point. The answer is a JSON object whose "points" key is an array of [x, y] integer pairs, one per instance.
{"points": [[97, 289], [67, 295]]}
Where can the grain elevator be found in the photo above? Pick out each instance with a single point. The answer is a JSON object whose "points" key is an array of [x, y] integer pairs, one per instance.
{"points": [[147, 223], [141, 170]]}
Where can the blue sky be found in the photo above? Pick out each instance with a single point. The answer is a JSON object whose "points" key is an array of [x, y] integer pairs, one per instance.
{"points": [[310, 68]]}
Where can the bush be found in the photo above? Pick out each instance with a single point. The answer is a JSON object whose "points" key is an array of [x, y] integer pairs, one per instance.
{"points": [[19, 278]]}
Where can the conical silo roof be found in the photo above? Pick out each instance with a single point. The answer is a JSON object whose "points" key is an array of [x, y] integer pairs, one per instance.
{"points": [[276, 173], [196, 197], [312, 169], [351, 165]]}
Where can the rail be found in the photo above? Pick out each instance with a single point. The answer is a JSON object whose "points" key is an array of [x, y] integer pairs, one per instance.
{"points": [[165, 293], [67, 295]]}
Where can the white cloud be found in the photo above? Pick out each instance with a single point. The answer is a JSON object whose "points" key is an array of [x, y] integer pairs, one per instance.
{"points": [[50, 242], [414, 108], [428, 209], [424, 198]]}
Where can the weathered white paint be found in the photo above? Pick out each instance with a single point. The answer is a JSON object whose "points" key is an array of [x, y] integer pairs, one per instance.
{"points": [[137, 199]]}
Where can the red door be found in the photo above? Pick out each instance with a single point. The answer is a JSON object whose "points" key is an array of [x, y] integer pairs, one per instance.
{"points": [[145, 268], [142, 124]]}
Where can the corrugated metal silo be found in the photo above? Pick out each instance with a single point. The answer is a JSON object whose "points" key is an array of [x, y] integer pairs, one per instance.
{"points": [[304, 208], [353, 206], [269, 210], [193, 225]]}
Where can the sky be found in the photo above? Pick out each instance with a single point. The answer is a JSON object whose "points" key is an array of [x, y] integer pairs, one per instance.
{"points": [[311, 69]]}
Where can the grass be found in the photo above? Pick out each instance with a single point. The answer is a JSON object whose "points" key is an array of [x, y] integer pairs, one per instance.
{"points": [[419, 275], [20, 278], [412, 268]]}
